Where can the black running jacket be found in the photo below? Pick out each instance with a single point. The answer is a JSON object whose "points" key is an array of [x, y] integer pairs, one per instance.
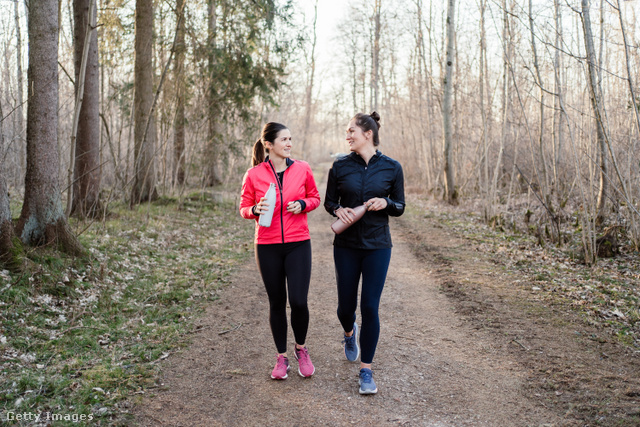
{"points": [[352, 182]]}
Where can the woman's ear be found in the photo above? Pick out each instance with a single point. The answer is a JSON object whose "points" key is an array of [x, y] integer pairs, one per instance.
{"points": [[369, 134]]}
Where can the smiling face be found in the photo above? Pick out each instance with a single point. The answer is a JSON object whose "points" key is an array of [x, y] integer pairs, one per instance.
{"points": [[281, 147], [357, 139]]}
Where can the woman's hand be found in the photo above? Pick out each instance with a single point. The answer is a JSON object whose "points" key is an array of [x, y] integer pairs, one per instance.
{"points": [[294, 207], [376, 204], [346, 215], [262, 206]]}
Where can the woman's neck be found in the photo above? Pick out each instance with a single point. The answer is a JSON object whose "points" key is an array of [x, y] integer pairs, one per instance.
{"points": [[279, 163], [367, 153]]}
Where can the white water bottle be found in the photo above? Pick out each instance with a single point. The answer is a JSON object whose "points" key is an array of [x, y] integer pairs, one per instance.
{"points": [[265, 218]]}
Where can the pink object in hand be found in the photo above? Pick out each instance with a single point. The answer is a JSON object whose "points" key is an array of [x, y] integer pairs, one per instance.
{"points": [[338, 226]]}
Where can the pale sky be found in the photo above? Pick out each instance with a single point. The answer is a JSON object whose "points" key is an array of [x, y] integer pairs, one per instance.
{"points": [[330, 13]]}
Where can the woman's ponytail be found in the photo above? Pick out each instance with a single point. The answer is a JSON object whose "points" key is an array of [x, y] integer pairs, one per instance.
{"points": [[269, 134], [258, 153]]}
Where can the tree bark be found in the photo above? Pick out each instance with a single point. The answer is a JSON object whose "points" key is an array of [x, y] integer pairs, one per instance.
{"points": [[144, 182], [86, 183], [544, 181], [375, 55], [42, 220], [632, 93], [558, 117], [179, 122], [19, 110], [596, 103], [507, 79], [6, 226], [484, 161], [212, 157], [451, 194], [310, 82]]}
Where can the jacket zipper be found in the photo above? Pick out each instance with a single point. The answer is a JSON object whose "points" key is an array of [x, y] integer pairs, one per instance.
{"points": [[281, 199], [364, 176]]}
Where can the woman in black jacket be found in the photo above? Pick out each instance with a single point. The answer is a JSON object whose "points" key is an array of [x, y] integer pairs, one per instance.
{"points": [[365, 176]]}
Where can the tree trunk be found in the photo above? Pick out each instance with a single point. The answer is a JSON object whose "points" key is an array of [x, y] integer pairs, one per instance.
{"points": [[42, 220], [212, 157], [632, 93], [144, 182], [19, 110], [558, 117], [86, 184], [179, 123], [6, 226], [484, 157], [310, 82], [375, 55], [451, 194], [507, 79], [596, 103], [544, 181]]}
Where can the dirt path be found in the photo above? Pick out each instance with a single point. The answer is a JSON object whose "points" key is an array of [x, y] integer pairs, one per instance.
{"points": [[432, 367]]}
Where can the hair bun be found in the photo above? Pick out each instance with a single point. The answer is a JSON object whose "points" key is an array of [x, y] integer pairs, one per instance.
{"points": [[376, 117]]}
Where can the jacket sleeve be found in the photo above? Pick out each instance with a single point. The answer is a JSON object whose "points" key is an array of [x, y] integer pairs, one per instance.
{"points": [[247, 198], [395, 201], [331, 197], [312, 198]]}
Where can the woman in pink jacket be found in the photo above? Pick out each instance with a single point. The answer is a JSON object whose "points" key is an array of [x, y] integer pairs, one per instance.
{"points": [[283, 250]]}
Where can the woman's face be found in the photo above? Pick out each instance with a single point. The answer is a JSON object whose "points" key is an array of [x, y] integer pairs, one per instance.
{"points": [[281, 147], [358, 139]]}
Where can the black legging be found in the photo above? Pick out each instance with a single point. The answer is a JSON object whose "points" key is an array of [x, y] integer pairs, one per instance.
{"points": [[372, 266], [286, 266]]}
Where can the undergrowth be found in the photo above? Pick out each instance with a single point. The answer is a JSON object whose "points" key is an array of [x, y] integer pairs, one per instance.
{"points": [[80, 336], [607, 294]]}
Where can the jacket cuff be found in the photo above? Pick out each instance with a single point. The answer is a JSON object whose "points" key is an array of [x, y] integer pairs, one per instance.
{"points": [[303, 204]]}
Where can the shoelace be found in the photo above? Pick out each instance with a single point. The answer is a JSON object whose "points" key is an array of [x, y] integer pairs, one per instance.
{"points": [[282, 361], [348, 340], [366, 376]]}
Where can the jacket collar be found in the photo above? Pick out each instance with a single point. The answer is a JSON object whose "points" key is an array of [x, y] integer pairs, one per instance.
{"points": [[355, 156], [289, 161]]}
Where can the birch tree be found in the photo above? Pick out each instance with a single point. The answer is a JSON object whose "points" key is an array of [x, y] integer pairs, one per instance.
{"points": [[451, 194]]}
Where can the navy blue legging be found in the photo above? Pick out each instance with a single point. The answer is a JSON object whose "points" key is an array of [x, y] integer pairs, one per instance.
{"points": [[372, 265], [283, 267]]}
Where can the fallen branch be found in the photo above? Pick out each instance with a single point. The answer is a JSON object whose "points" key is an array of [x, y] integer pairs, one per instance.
{"points": [[520, 344], [230, 330]]}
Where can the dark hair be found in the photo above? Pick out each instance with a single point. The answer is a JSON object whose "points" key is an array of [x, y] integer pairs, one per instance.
{"points": [[369, 122], [270, 132]]}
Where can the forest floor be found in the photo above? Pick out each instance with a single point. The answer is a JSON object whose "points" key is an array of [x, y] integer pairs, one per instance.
{"points": [[469, 337]]}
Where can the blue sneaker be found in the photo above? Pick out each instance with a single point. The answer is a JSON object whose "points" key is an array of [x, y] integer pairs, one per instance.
{"points": [[351, 347], [367, 384]]}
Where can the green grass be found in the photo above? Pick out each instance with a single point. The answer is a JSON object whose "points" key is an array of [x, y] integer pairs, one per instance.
{"points": [[82, 335]]}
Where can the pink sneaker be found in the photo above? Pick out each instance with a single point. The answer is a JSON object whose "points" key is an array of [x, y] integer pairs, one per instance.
{"points": [[305, 367], [281, 368]]}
